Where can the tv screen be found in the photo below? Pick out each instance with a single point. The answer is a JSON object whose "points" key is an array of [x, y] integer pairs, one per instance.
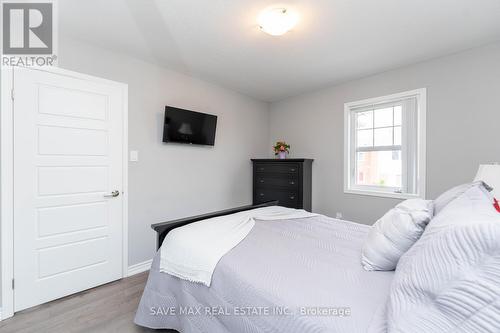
{"points": [[186, 126]]}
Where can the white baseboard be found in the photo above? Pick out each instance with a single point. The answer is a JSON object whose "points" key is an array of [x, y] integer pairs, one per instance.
{"points": [[0, 314], [139, 268]]}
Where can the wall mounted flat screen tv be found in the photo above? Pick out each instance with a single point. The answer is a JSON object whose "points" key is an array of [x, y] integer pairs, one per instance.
{"points": [[186, 126]]}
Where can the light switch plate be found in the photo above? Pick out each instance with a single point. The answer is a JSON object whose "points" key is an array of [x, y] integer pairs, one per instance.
{"points": [[134, 156]]}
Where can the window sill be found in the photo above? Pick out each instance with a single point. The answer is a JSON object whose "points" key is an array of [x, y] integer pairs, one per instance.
{"points": [[383, 194]]}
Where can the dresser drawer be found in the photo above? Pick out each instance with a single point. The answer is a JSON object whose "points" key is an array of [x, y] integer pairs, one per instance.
{"points": [[285, 168], [285, 198], [286, 181]]}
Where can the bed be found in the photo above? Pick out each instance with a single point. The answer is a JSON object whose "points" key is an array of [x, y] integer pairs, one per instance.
{"points": [[300, 275]]}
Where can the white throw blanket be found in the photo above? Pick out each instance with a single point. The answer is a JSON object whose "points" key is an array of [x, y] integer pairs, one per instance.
{"points": [[191, 252]]}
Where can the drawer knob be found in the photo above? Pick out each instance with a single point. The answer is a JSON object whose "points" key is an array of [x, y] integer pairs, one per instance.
{"points": [[292, 197], [292, 169], [261, 194], [262, 180], [261, 169], [292, 183]]}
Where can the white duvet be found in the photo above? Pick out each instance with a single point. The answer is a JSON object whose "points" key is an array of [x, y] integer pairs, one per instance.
{"points": [[192, 252]]}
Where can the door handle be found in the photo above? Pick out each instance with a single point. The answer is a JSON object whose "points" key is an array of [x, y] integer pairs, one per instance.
{"points": [[113, 194]]}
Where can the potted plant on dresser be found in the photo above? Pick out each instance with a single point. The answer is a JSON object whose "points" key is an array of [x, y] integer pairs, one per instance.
{"points": [[281, 149]]}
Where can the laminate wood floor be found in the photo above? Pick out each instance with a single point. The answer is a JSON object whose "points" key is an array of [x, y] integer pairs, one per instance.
{"points": [[108, 308]]}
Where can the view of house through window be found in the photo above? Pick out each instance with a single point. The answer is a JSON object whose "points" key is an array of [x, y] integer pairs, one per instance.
{"points": [[382, 168], [383, 144], [378, 153]]}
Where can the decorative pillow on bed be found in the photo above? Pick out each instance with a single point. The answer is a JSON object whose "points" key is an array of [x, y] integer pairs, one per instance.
{"points": [[453, 193], [393, 234], [449, 280]]}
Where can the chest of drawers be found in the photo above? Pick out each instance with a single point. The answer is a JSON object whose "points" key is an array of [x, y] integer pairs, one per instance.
{"points": [[288, 181]]}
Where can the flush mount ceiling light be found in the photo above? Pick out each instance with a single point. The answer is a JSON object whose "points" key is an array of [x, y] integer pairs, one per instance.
{"points": [[277, 21]]}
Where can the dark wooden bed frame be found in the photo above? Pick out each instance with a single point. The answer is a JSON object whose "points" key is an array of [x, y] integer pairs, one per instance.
{"points": [[163, 228]]}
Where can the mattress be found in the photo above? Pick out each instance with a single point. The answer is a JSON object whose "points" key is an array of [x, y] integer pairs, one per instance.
{"points": [[301, 275]]}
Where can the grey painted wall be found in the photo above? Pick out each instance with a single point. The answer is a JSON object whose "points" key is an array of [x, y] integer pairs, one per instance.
{"points": [[463, 126], [173, 180]]}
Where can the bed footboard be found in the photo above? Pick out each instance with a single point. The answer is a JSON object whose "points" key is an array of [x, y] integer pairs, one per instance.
{"points": [[163, 228]]}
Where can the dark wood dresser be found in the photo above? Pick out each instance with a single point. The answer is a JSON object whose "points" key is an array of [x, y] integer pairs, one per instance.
{"points": [[288, 181]]}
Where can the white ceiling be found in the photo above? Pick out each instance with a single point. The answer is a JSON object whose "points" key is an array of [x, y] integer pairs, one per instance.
{"points": [[335, 40]]}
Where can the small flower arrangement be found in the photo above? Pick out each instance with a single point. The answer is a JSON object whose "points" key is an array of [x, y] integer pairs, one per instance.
{"points": [[281, 148]]}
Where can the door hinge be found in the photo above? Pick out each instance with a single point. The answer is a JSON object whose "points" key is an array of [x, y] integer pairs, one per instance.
{"points": [[12, 94], [12, 283]]}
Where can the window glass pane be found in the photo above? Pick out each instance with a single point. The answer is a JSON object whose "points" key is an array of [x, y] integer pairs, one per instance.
{"points": [[397, 115], [365, 138], [364, 119], [379, 168], [397, 135], [383, 117], [383, 136]]}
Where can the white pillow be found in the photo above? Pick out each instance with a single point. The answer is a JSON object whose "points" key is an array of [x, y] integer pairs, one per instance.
{"points": [[453, 193], [449, 280], [393, 234]]}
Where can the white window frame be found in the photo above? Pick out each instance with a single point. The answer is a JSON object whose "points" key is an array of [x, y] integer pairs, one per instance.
{"points": [[349, 149]]}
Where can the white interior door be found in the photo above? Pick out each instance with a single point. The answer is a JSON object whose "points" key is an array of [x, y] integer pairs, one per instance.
{"points": [[68, 150]]}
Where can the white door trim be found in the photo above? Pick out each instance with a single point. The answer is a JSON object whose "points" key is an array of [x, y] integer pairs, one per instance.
{"points": [[7, 186], [7, 193]]}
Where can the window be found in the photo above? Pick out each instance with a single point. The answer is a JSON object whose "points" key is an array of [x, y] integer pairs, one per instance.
{"points": [[385, 145]]}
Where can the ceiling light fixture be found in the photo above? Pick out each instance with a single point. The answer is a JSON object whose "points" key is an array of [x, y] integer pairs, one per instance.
{"points": [[277, 21]]}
